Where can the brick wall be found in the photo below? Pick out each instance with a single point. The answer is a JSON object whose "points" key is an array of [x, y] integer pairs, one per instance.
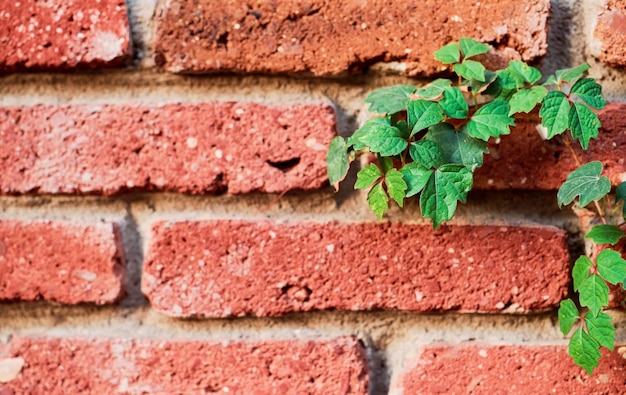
{"points": [[166, 224]]}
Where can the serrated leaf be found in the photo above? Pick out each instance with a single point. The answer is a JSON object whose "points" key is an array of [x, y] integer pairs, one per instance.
{"points": [[449, 53], [601, 329], [378, 200], [337, 161], [554, 113], [471, 47], [568, 314], [590, 92], [427, 153], [476, 86], [446, 186], [391, 99], [416, 176], [355, 142], [453, 103], [491, 120], [620, 194], [383, 138], [583, 123], [527, 73], [611, 266], [580, 272], [526, 99], [396, 186], [422, 114], [586, 183], [458, 147], [572, 74], [584, 350], [594, 293], [367, 176], [605, 234], [470, 69]]}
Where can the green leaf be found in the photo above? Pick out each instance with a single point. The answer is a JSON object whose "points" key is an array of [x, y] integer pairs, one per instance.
{"points": [[427, 153], [453, 103], [476, 86], [583, 123], [434, 90], [391, 99], [586, 183], [554, 113], [416, 176], [526, 99], [611, 266], [383, 138], [337, 161], [590, 92], [471, 47], [594, 293], [491, 120], [367, 176], [551, 80], [568, 314], [601, 329], [580, 272], [470, 69], [448, 54], [527, 73], [378, 200], [355, 142], [446, 186], [385, 163], [584, 350], [620, 194], [605, 234], [423, 114], [396, 187], [458, 147], [571, 74]]}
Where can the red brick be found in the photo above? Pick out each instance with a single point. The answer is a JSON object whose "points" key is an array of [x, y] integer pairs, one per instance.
{"points": [[475, 369], [63, 34], [65, 262], [105, 366], [611, 32], [326, 38], [191, 148], [232, 268]]}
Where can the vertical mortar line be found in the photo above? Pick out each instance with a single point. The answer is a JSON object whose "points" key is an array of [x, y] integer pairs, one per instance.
{"points": [[132, 242]]}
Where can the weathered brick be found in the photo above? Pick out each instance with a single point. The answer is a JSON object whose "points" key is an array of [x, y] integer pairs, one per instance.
{"points": [[63, 34], [331, 37], [192, 148], [232, 268], [611, 33], [67, 262], [476, 369], [107, 366]]}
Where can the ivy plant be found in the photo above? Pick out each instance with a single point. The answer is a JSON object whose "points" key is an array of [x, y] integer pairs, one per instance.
{"points": [[427, 142]]}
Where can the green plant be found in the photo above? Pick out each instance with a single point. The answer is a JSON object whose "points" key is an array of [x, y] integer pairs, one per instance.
{"points": [[427, 143]]}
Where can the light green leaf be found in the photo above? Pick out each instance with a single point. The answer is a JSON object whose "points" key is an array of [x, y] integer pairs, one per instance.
{"points": [[605, 234], [416, 176], [580, 272], [434, 90], [446, 186], [423, 114], [337, 161], [427, 153], [367, 176], [620, 194], [551, 80], [526, 99], [355, 142], [590, 92], [378, 200], [554, 113], [584, 350], [572, 74], [601, 329], [453, 103], [583, 123], [470, 69], [449, 53], [527, 73], [471, 47], [568, 314], [491, 120], [396, 187], [611, 266], [391, 99], [383, 138], [594, 293], [458, 147], [586, 183]]}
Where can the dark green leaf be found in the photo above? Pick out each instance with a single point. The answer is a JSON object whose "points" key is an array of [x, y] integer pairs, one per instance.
{"points": [[416, 176], [378, 200], [396, 187], [423, 114], [476, 86], [337, 161], [427, 153], [594, 293], [471, 47], [572, 74], [470, 69], [586, 183], [601, 329], [491, 120], [568, 314], [448, 54], [383, 138], [620, 194], [453, 103], [527, 73], [554, 113], [390, 100], [458, 147], [434, 90], [605, 234], [584, 350], [367, 176], [580, 272], [526, 99], [611, 266], [583, 123], [446, 186], [590, 92], [385, 163]]}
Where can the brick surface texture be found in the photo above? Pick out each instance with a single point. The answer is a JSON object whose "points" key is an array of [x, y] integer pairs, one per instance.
{"points": [[232, 268], [514, 370], [109, 366], [331, 37], [611, 32], [60, 261], [193, 148], [63, 34]]}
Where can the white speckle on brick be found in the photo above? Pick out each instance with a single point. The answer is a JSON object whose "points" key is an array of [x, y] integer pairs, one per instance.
{"points": [[177, 310], [483, 353], [219, 154], [419, 296], [192, 142], [330, 248], [85, 275], [10, 368], [105, 46], [500, 305]]}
